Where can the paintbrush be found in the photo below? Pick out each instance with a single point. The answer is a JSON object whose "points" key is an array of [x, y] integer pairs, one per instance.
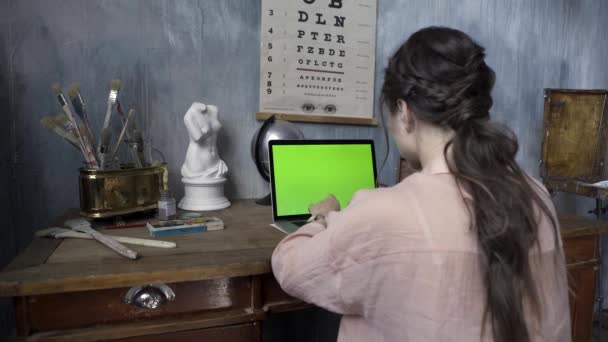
{"points": [[114, 88], [124, 225], [65, 124], [124, 118], [60, 233], [138, 137], [83, 226], [137, 146], [87, 143], [131, 128], [81, 111], [89, 156], [121, 136], [52, 125], [104, 148]]}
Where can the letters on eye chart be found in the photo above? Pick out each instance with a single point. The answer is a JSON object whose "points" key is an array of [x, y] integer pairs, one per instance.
{"points": [[318, 57]]}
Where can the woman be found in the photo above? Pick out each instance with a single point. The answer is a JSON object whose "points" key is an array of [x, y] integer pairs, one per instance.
{"points": [[467, 249]]}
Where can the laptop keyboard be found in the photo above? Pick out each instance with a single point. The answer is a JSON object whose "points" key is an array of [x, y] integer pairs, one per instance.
{"points": [[299, 223], [289, 226]]}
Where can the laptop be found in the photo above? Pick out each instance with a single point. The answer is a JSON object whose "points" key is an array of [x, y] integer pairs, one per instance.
{"points": [[303, 172]]}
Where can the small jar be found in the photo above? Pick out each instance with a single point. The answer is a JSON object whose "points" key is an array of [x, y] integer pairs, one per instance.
{"points": [[166, 206]]}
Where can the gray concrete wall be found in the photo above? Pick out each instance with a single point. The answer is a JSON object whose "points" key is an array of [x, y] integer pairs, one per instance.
{"points": [[170, 53], [8, 232]]}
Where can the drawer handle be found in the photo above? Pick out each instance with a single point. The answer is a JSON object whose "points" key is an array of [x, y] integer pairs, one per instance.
{"points": [[149, 296]]}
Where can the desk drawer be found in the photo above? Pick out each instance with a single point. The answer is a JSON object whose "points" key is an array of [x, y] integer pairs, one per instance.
{"points": [[235, 333], [580, 249], [87, 308]]}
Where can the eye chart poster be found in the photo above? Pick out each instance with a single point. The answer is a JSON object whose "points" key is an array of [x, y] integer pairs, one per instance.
{"points": [[317, 59]]}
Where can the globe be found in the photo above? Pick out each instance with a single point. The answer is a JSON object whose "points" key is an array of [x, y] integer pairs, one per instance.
{"points": [[272, 129]]}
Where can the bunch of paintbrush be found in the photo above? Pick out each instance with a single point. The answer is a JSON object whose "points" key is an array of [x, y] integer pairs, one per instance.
{"points": [[127, 133], [85, 144], [58, 128], [81, 111], [123, 132], [79, 133], [134, 138]]}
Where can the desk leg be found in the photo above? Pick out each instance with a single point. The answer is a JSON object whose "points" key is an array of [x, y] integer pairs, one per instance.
{"points": [[259, 331], [600, 296], [256, 294], [21, 317], [256, 304]]}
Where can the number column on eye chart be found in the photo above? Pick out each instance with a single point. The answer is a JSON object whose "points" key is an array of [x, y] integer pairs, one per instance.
{"points": [[272, 68]]}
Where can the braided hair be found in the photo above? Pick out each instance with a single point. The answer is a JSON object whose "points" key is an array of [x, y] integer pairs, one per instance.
{"points": [[442, 76]]}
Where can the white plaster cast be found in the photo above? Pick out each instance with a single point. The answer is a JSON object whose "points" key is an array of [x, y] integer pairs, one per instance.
{"points": [[203, 171]]}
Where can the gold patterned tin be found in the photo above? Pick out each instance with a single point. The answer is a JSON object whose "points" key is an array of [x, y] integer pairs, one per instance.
{"points": [[107, 193]]}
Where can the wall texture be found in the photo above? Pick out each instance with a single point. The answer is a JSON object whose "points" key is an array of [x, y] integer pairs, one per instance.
{"points": [[8, 237], [170, 53]]}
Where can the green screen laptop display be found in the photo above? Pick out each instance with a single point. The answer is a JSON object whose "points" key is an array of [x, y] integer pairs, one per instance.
{"points": [[305, 172]]}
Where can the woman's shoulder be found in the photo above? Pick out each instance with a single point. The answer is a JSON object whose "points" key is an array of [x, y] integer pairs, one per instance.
{"points": [[428, 185], [382, 207], [407, 190], [367, 228], [381, 197]]}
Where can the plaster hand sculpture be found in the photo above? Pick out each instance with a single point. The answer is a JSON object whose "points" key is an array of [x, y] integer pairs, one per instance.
{"points": [[203, 171]]}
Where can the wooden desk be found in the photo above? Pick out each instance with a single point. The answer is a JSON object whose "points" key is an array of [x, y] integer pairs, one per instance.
{"points": [[581, 237], [73, 290]]}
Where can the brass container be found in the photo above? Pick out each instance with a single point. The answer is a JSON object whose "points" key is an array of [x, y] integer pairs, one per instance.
{"points": [[107, 193]]}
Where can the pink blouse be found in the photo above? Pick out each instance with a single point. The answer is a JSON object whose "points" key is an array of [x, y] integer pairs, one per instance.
{"points": [[401, 264]]}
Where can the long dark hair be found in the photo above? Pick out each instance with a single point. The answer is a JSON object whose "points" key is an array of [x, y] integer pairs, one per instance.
{"points": [[442, 76]]}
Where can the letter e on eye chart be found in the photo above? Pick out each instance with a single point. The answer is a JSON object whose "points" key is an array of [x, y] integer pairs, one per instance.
{"points": [[317, 57]]}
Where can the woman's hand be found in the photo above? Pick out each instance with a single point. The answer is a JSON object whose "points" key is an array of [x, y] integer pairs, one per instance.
{"points": [[321, 209]]}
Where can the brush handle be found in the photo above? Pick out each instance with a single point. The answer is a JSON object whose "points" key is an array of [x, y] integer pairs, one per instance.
{"points": [[72, 143], [88, 133], [121, 136], [68, 137], [88, 144], [105, 162], [110, 242], [135, 156], [122, 226], [144, 242], [123, 117], [138, 141], [140, 156], [87, 124], [130, 129], [89, 156], [73, 127], [80, 109], [121, 239], [115, 245], [105, 139], [106, 120], [134, 148]]}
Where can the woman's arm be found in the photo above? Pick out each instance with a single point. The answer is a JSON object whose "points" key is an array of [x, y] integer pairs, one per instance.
{"points": [[310, 264]]}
